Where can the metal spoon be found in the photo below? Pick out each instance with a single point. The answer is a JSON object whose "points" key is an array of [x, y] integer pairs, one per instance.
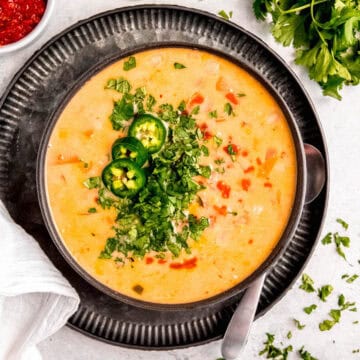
{"points": [[238, 330]]}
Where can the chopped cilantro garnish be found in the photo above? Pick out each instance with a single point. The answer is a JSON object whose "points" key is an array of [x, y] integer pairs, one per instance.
{"points": [[213, 114], [305, 355], [123, 110], [356, 322], [179, 66], [218, 141], [298, 324], [341, 241], [289, 335], [225, 15], [156, 218], [195, 110], [121, 85], [150, 102], [241, 94], [228, 109], [344, 224], [350, 279], [324, 292], [273, 352], [309, 309], [327, 239], [335, 314], [92, 210], [219, 161], [307, 283], [93, 182], [130, 64], [205, 150]]}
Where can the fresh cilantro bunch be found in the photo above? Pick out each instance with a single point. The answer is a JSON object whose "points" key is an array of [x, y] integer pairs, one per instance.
{"points": [[325, 34]]}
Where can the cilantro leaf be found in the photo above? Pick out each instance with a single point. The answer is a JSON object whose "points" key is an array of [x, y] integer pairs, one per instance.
{"points": [[123, 110], [352, 278], [228, 109], [93, 182], [130, 63], [309, 309], [344, 224], [327, 239], [92, 210], [305, 355], [121, 85], [224, 15], [273, 352], [307, 283], [325, 35], [298, 324], [179, 66], [324, 292], [213, 114]]}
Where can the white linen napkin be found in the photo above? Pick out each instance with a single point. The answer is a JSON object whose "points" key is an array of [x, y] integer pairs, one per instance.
{"points": [[35, 299]]}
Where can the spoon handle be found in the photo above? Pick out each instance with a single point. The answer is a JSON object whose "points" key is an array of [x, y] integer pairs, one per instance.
{"points": [[237, 332]]}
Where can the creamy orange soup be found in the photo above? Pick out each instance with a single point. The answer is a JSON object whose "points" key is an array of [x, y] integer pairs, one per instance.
{"points": [[248, 197]]}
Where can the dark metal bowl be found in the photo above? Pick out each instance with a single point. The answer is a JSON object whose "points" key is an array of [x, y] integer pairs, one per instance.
{"points": [[39, 88], [264, 267]]}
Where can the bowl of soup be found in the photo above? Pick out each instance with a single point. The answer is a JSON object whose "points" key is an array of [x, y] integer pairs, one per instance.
{"points": [[172, 178]]}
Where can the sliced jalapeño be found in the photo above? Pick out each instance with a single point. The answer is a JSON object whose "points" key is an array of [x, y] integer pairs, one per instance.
{"points": [[123, 177], [150, 131], [130, 148]]}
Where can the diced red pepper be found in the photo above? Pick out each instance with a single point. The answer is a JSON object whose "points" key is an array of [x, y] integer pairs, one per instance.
{"points": [[245, 184], [244, 153], [206, 133], [234, 151], [221, 210], [162, 261], [251, 241], [268, 184], [249, 169], [224, 188], [258, 161], [232, 98], [149, 260], [196, 99], [187, 264]]}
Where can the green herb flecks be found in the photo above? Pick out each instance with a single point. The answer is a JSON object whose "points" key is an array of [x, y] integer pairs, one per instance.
{"points": [[335, 314], [324, 292], [225, 15], [228, 109], [289, 335], [298, 324], [305, 355], [213, 114], [93, 182], [121, 85], [309, 309], [122, 112], [350, 279], [324, 34], [218, 141], [130, 63], [179, 66], [92, 210], [343, 223], [273, 352], [307, 283]]}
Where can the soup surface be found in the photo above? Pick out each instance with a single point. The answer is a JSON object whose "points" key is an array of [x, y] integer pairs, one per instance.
{"points": [[247, 197]]}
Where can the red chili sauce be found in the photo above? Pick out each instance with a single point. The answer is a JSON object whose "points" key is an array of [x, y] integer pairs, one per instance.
{"points": [[18, 18]]}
